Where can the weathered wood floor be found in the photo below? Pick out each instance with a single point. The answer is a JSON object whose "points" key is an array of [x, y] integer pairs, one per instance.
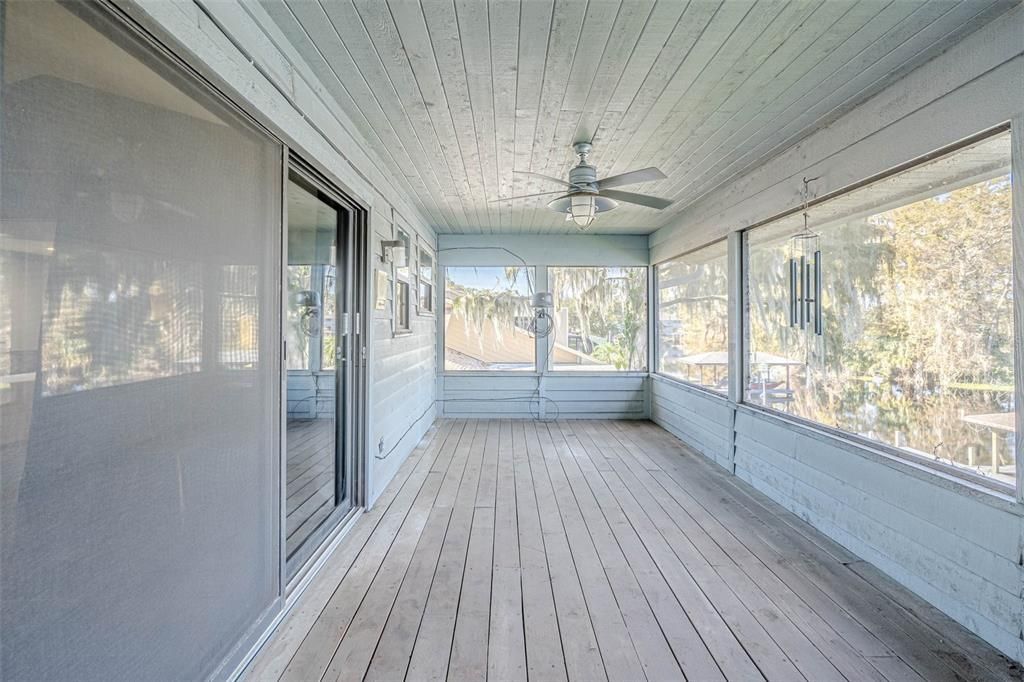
{"points": [[586, 550], [311, 480]]}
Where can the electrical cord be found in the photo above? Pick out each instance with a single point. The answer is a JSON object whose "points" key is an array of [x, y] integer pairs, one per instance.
{"points": [[535, 332]]}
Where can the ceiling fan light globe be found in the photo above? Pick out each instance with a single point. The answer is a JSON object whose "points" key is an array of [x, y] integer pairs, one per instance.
{"points": [[583, 209]]}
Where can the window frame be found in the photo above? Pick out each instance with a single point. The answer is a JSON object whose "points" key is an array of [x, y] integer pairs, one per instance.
{"points": [[441, 292], [401, 281], [421, 309], [863, 445], [549, 367], [656, 317]]}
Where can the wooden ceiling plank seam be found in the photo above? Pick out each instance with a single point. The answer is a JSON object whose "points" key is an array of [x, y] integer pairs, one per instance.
{"points": [[770, 147], [960, 29], [504, 58], [535, 21], [695, 21], [657, 35], [389, 42], [566, 28], [475, 47], [305, 84], [417, 186], [598, 22], [883, 113], [797, 70], [705, 56], [419, 50], [694, 131], [626, 31], [360, 40], [847, 67], [649, 46], [778, 42], [351, 35], [714, 86], [450, 56]]}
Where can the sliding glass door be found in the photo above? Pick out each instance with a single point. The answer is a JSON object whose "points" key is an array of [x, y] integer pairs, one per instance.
{"points": [[318, 303]]}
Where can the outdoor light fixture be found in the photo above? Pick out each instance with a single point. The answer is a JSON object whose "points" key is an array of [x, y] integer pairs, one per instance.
{"points": [[583, 210]]}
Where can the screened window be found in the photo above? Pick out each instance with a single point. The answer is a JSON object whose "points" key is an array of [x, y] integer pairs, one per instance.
{"points": [[487, 316], [426, 282], [600, 318], [693, 317], [890, 315], [403, 283]]}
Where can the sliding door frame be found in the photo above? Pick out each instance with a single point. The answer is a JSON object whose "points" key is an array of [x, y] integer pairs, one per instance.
{"points": [[351, 379]]}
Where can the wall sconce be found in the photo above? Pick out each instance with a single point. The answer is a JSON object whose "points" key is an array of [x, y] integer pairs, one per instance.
{"points": [[387, 250]]}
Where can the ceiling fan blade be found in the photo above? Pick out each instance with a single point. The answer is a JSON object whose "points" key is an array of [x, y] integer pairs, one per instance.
{"points": [[632, 177], [633, 198], [560, 181], [526, 196]]}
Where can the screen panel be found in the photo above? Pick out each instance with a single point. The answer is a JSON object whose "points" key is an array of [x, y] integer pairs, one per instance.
{"points": [[139, 252]]}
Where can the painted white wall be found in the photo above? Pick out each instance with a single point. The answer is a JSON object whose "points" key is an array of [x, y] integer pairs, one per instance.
{"points": [[956, 545], [570, 395]]}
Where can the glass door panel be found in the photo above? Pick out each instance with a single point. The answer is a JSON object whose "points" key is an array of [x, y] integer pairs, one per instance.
{"points": [[316, 483]]}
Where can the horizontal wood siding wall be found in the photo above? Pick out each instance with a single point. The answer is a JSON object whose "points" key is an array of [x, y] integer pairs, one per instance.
{"points": [[403, 371], [567, 397], [959, 551], [701, 420]]}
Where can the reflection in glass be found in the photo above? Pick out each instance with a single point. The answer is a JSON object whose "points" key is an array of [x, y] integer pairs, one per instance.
{"points": [[693, 317], [916, 346], [137, 276], [600, 318], [487, 317], [312, 338]]}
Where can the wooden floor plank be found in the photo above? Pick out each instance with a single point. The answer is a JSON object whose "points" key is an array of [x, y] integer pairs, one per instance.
{"points": [[583, 658], [620, 648], [274, 657], [432, 649], [910, 640], [317, 650], [506, 642], [545, 660], [664, 620], [733, 556], [423, 530], [773, 619], [591, 550], [391, 658], [469, 644]]}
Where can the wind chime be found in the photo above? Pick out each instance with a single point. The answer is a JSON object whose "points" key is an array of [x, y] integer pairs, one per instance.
{"points": [[805, 274]]}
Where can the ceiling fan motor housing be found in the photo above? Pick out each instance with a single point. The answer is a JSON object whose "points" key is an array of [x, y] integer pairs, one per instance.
{"points": [[583, 175]]}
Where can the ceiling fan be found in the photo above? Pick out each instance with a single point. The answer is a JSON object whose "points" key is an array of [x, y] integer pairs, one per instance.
{"points": [[589, 195]]}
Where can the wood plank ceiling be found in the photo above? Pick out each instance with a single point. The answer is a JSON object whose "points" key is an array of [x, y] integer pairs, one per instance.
{"points": [[455, 95]]}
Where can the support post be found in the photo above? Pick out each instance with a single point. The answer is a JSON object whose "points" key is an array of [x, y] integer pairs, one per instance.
{"points": [[737, 356], [1017, 173]]}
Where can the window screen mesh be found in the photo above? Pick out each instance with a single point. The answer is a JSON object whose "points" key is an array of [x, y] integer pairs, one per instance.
{"points": [[139, 241]]}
